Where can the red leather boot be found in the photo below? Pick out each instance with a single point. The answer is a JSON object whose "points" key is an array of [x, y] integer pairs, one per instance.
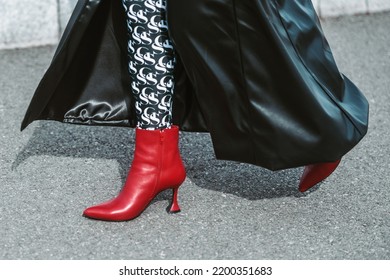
{"points": [[157, 166], [315, 173]]}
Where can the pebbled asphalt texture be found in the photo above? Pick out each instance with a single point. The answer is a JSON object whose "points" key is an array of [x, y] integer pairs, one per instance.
{"points": [[51, 171]]}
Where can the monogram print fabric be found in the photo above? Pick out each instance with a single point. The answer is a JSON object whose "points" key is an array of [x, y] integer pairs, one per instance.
{"points": [[151, 62]]}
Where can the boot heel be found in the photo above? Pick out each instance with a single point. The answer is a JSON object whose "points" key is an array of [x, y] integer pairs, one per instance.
{"points": [[174, 207]]}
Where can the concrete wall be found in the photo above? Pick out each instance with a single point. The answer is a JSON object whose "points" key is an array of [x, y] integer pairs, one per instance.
{"points": [[331, 8], [65, 9], [26, 23]]}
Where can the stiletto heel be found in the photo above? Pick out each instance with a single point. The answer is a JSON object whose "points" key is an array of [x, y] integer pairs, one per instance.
{"points": [[174, 207]]}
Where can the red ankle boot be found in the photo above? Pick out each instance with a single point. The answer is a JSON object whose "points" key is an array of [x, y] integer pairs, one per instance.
{"points": [[315, 173], [157, 166]]}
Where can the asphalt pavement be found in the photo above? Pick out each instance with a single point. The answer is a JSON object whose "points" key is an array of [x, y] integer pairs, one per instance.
{"points": [[52, 171]]}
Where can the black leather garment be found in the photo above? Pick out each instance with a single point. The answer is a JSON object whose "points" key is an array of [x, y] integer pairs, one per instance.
{"points": [[257, 74]]}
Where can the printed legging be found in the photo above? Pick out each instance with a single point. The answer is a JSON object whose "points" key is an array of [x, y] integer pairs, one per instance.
{"points": [[151, 62]]}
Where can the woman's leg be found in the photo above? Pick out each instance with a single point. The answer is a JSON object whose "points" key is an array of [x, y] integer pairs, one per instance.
{"points": [[151, 62], [157, 164]]}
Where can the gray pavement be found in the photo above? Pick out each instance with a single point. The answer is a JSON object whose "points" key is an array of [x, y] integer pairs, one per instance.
{"points": [[52, 171]]}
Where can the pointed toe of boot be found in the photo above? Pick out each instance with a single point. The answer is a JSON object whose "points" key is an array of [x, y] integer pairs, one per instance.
{"points": [[101, 211], [95, 212], [106, 212], [316, 173]]}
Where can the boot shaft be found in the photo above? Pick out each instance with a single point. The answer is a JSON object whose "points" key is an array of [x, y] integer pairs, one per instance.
{"points": [[159, 150]]}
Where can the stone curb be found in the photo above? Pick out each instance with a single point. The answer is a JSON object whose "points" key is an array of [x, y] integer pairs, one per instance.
{"points": [[41, 22]]}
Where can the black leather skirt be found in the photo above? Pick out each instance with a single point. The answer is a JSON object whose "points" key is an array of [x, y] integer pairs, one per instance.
{"points": [[258, 75]]}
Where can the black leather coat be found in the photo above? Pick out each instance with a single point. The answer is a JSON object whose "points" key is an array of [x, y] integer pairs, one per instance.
{"points": [[257, 74]]}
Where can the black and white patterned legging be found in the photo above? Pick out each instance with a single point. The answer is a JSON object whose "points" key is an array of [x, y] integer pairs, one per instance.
{"points": [[151, 62]]}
